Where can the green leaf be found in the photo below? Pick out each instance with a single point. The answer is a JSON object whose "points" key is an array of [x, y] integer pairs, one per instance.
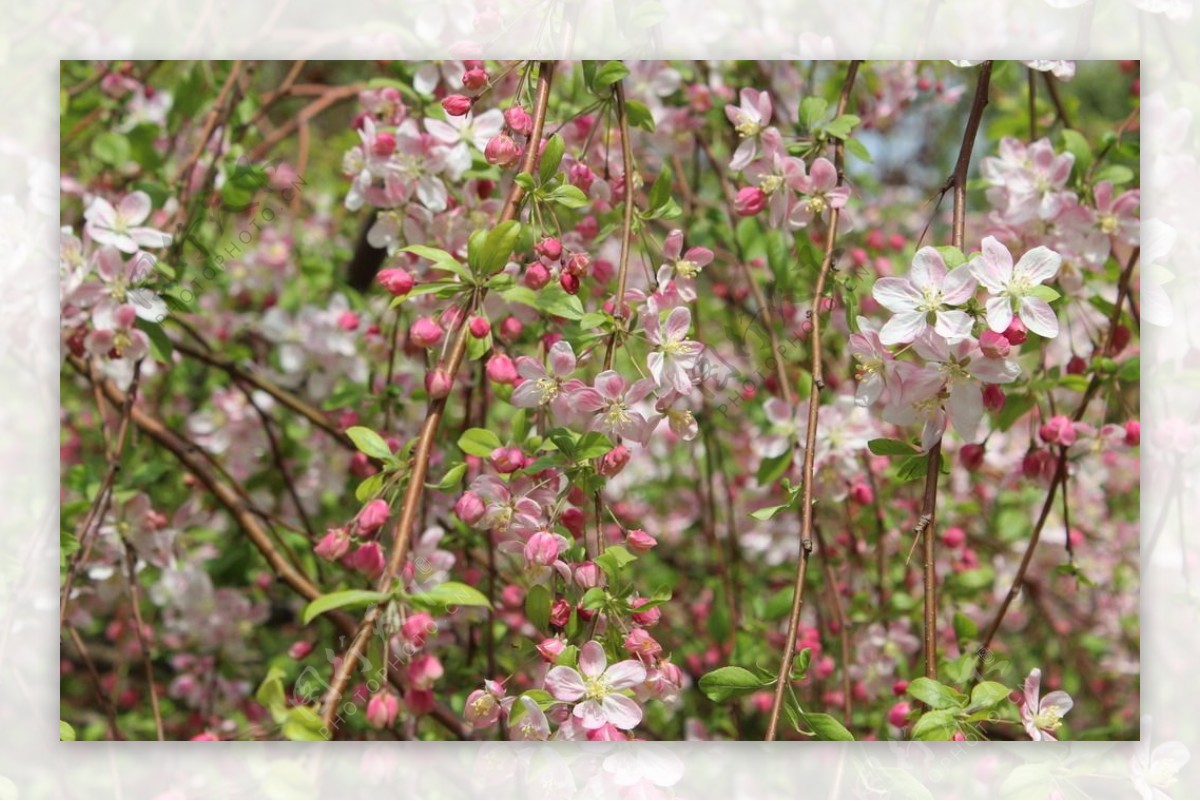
{"points": [[639, 115], [595, 598], [369, 487], [827, 727], [452, 477], [552, 155], [556, 301], [913, 468], [768, 512], [160, 343], [568, 196], [988, 694], [537, 606], [729, 682], [525, 181], [773, 467], [938, 724], [891, 447], [592, 445], [842, 126], [609, 74], [1046, 293], [964, 627], [341, 600], [451, 593], [952, 256], [111, 148], [1077, 146], [478, 442], [304, 724], [499, 246], [934, 694], [440, 258], [812, 112], [66, 734], [857, 149], [660, 192], [369, 442], [270, 693], [1131, 369], [1014, 407], [1116, 173], [612, 560]]}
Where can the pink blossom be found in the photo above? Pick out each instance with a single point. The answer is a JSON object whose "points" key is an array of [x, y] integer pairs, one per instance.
{"points": [[122, 226], [1042, 716], [1014, 290], [929, 292], [547, 388], [675, 357], [396, 281], [502, 151], [527, 721], [595, 689], [749, 120], [544, 547], [609, 401], [382, 709], [750, 200], [500, 368], [639, 541], [334, 545], [372, 517], [820, 193], [456, 105], [425, 333]]}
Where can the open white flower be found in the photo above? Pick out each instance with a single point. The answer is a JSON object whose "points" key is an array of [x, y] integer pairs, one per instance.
{"points": [[924, 299], [1016, 290]]}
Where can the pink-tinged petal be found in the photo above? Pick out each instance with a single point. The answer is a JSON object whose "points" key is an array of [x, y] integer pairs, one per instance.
{"points": [[134, 208], [1060, 169], [823, 175], [994, 371], [999, 314], [678, 323], [959, 285], [673, 245], [565, 683], [953, 326], [838, 196], [994, 267], [919, 383], [743, 155], [101, 212], [1057, 701], [639, 390], [592, 660], [764, 107], [591, 714], [529, 367], [99, 343], [622, 712], [896, 294], [139, 345], [928, 269], [625, 674], [610, 384], [933, 430], [655, 363], [109, 263], [733, 114], [1103, 192], [140, 267], [1038, 265], [1033, 683], [903, 328], [869, 390], [699, 256], [965, 406], [586, 400], [527, 395], [531, 723], [148, 305], [1039, 317], [562, 359], [778, 412], [932, 347], [1127, 203]]}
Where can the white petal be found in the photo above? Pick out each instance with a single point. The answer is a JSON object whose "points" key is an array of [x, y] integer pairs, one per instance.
{"points": [[896, 294], [999, 314], [622, 712], [1039, 317], [954, 326], [965, 406], [903, 328], [1040, 264]]}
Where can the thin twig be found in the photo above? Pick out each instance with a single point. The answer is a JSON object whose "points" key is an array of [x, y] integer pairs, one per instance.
{"points": [[135, 600]]}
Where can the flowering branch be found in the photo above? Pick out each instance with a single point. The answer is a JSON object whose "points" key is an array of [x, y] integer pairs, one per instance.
{"points": [[818, 382]]}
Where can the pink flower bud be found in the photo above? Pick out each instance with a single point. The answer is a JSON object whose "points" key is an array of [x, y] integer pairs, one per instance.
{"points": [[542, 549], [438, 383], [511, 328], [1016, 332], [537, 275], [1076, 365], [382, 709], [971, 456], [639, 643], [551, 648], [482, 709], [899, 688], [384, 144], [425, 333], [396, 281], [500, 368], [578, 263], [502, 151], [518, 120], [300, 649], [581, 175], [416, 628], [645, 618], [993, 345], [507, 460], [423, 671], [549, 248], [876, 240], [954, 537], [348, 321], [333, 545], [573, 521], [469, 508], [372, 517], [1120, 338], [419, 702], [898, 714], [993, 398], [824, 667], [456, 105], [750, 200], [1133, 433], [570, 283], [367, 559], [639, 541], [861, 493], [560, 613], [588, 575], [614, 461], [475, 79], [1058, 429], [480, 327]]}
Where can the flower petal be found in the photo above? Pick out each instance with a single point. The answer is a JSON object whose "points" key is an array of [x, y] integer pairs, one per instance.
{"points": [[1039, 317], [622, 712], [965, 406], [903, 328], [993, 268], [592, 660], [959, 285], [1038, 265], [1057, 701], [999, 314], [896, 294], [565, 683], [562, 359], [591, 715], [954, 325], [625, 674], [928, 269]]}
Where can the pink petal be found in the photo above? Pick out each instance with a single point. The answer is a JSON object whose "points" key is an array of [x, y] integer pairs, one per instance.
{"points": [[896, 294], [1038, 317], [592, 660], [673, 245], [109, 263], [565, 683], [678, 323], [902, 328], [610, 384], [959, 285], [1033, 684], [1040, 264], [743, 155], [562, 358], [954, 326], [591, 715], [965, 406], [823, 175], [622, 712], [625, 674], [993, 268], [1057, 701], [586, 400], [928, 269], [134, 208]]}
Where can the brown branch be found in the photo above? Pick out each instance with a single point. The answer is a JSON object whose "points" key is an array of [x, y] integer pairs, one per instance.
{"points": [[1059, 109], [818, 382], [135, 600], [402, 532], [110, 710], [329, 97], [626, 226], [839, 617]]}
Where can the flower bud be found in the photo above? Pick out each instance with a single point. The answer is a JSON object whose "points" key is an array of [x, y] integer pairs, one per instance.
{"points": [[898, 714], [419, 702], [639, 643], [457, 105], [551, 648], [469, 508], [480, 327], [560, 613], [750, 200], [861, 493], [348, 321], [382, 709], [993, 398], [569, 282], [899, 688], [549, 248], [507, 460], [300, 649], [537, 275], [954, 537], [613, 462], [425, 333], [334, 544], [993, 345], [542, 549], [416, 628], [384, 144], [581, 175], [971, 456], [438, 383], [1016, 333], [500, 368], [372, 517], [1076, 365], [367, 559], [1133, 433], [396, 281], [589, 575], [639, 541], [647, 617], [475, 79], [518, 120], [423, 671], [511, 328], [502, 151], [1120, 339]]}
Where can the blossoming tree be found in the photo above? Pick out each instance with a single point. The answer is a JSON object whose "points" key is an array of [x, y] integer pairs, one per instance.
{"points": [[599, 400]]}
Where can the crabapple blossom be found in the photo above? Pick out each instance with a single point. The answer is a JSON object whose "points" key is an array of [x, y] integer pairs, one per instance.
{"points": [[595, 688], [749, 119], [675, 356], [1015, 289], [122, 226], [926, 298], [1042, 716]]}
